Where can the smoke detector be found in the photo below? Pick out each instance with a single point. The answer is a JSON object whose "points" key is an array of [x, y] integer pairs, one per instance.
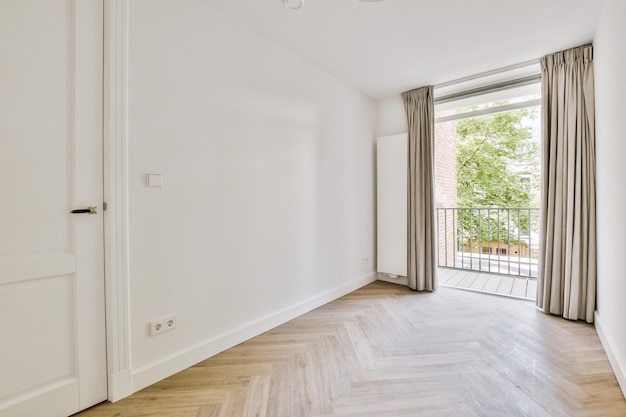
{"points": [[293, 4]]}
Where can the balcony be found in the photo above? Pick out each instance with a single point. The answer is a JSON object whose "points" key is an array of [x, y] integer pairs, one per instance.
{"points": [[489, 249]]}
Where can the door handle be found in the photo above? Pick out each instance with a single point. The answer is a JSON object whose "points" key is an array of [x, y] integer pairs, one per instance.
{"points": [[88, 210]]}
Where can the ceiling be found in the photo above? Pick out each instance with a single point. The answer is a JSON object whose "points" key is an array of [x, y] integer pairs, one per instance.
{"points": [[385, 48]]}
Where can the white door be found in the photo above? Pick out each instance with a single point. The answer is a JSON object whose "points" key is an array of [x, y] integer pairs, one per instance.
{"points": [[52, 334]]}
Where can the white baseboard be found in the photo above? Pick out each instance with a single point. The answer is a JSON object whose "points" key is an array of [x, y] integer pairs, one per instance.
{"points": [[178, 361], [609, 347], [120, 385]]}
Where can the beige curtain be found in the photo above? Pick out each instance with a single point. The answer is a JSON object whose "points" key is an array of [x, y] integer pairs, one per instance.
{"points": [[420, 113], [567, 277]]}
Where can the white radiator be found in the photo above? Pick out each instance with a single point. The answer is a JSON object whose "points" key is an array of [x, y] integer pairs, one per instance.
{"points": [[392, 155]]}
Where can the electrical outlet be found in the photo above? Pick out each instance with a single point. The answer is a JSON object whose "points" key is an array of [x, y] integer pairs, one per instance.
{"points": [[365, 260], [163, 325], [170, 323]]}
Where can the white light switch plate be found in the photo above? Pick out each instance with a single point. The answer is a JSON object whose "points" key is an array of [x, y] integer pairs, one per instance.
{"points": [[154, 180]]}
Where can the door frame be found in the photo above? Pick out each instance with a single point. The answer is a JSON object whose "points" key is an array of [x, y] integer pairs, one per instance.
{"points": [[116, 230]]}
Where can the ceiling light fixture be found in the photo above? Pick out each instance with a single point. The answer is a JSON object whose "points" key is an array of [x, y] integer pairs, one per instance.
{"points": [[293, 4]]}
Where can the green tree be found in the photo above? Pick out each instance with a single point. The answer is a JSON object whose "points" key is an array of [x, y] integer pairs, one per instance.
{"points": [[488, 146]]}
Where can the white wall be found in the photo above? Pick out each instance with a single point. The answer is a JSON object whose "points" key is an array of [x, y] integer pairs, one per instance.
{"points": [[391, 116], [267, 204], [610, 67]]}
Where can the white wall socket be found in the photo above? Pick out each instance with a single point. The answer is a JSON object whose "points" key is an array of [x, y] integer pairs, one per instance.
{"points": [[163, 325]]}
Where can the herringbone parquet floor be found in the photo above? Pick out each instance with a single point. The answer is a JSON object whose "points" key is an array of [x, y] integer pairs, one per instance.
{"points": [[386, 351]]}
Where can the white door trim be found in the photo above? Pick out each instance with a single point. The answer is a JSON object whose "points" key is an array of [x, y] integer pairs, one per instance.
{"points": [[116, 228]]}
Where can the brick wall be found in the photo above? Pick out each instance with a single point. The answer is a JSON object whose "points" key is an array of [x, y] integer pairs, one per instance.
{"points": [[445, 190]]}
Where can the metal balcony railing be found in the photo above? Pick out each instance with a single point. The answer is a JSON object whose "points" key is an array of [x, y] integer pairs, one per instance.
{"points": [[494, 240]]}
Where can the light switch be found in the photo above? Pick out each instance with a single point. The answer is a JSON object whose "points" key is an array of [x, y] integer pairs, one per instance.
{"points": [[154, 180]]}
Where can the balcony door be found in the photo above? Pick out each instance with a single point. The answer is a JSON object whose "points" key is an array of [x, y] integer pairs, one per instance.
{"points": [[488, 177]]}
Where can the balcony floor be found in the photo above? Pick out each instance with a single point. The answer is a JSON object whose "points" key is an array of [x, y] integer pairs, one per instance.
{"points": [[507, 285]]}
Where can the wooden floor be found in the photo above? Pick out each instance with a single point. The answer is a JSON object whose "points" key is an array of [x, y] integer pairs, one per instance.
{"points": [[508, 285], [386, 351]]}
